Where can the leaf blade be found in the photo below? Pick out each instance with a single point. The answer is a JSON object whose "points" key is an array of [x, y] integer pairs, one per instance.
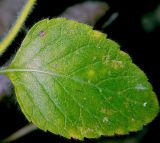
{"points": [[77, 83]]}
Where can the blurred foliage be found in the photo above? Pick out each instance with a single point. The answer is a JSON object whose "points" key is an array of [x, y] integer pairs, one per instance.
{"points": [[5, 86], [87, 12], [8, 14], [151, 20], [12, 17]]}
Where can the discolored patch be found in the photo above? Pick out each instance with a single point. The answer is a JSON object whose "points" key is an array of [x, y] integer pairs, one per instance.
{"points": [[91, 73], [42, 33]]}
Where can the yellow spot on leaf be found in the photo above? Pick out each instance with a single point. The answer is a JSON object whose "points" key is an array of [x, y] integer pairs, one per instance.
{"points": [[107, 112], [74, 134], [98, 34], [120, 131], [91, 73]]}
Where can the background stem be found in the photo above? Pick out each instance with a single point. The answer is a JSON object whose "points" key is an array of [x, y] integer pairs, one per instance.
{"points": [[20, 133]]}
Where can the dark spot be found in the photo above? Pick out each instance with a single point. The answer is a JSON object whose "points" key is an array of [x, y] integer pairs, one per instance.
{"points": [[41, 33]]}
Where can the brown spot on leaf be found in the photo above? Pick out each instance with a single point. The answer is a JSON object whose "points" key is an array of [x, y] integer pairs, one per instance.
{"points": [[41, 33]]}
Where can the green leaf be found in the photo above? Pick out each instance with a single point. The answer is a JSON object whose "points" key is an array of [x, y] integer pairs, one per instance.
{"points": [[73, 81]]}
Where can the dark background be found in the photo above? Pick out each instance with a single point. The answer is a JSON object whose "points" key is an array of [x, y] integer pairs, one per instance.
{"points": [[127, 30]]}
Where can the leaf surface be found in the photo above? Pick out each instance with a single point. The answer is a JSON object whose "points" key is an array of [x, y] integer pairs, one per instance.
{"points": [[73, 81]]}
